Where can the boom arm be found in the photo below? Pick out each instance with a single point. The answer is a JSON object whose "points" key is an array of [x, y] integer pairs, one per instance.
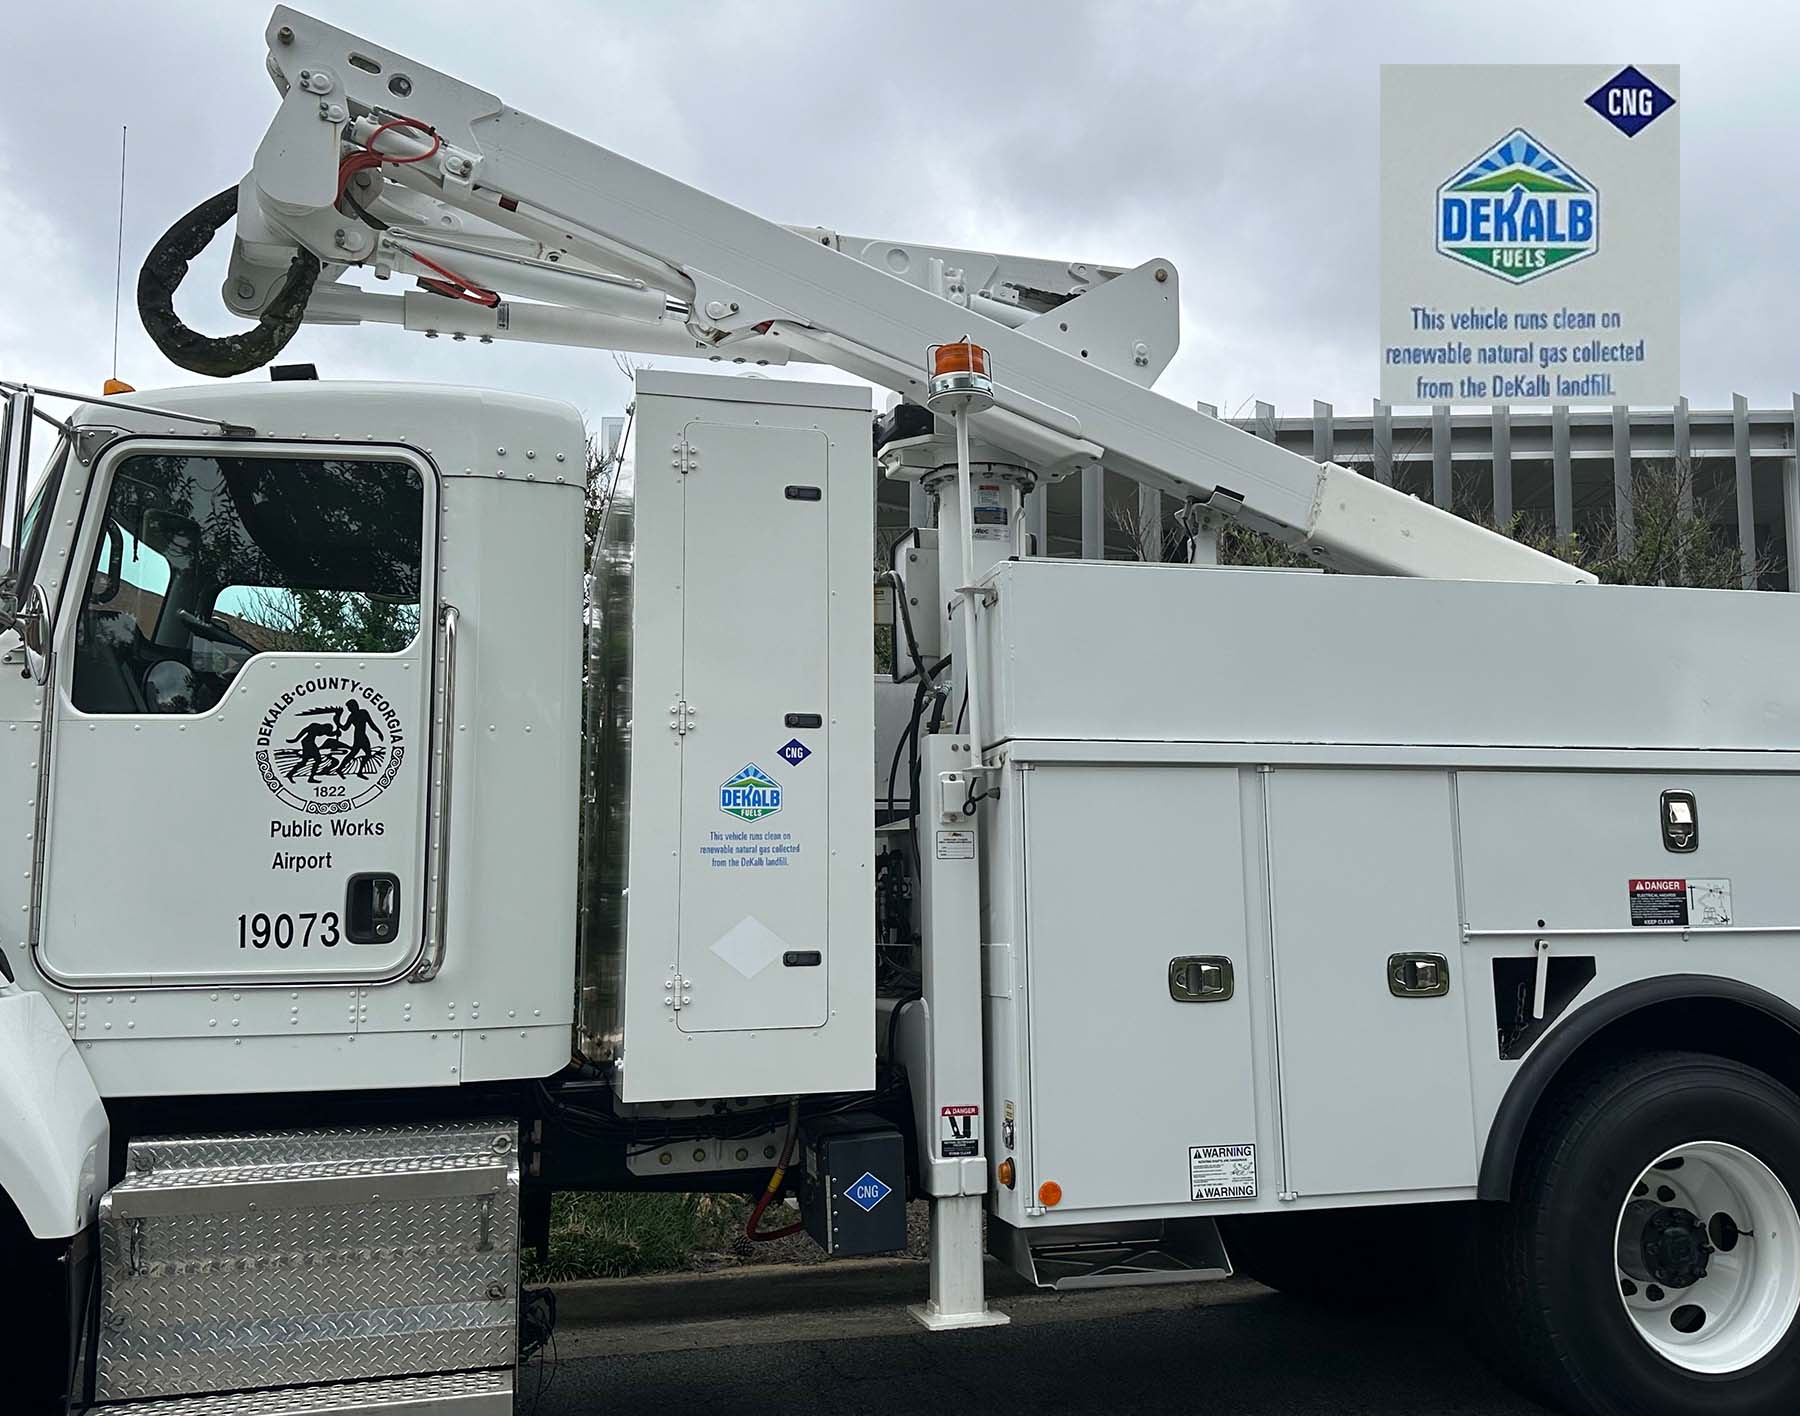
{"points": [[490, 200]]}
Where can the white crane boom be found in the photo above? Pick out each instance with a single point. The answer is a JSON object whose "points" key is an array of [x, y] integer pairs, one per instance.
{"points": [[612, 253]]}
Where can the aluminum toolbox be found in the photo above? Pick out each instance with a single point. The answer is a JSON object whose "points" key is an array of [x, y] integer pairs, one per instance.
{"points": [[251, 1261]]}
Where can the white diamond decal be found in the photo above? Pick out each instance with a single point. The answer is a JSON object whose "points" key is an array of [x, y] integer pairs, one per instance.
{"points": [[749, 946]]}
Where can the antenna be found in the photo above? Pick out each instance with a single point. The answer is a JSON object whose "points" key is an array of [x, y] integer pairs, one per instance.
{"points": [[119, 255]]}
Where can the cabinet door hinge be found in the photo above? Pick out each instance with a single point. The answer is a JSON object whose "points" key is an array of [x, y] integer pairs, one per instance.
{"points": [[681, 717]]}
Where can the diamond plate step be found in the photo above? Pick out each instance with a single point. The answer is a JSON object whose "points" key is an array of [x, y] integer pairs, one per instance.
{"points": [[253, 1261], [456, 1394]]}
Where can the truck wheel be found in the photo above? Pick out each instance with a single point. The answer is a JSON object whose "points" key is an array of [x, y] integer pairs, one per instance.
{"points": [[1650, 1262], [31, 1318]]}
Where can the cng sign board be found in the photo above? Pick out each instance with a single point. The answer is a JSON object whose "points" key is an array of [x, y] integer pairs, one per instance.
{"points": [[1529, 234]]}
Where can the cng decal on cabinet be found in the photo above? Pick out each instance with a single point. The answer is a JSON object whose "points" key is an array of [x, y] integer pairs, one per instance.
{"points": [[749, 795]]}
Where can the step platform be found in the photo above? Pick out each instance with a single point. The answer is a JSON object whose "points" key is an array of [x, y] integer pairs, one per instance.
{"points": [[452, 1394], [1113, 1255], [240, 1263]]}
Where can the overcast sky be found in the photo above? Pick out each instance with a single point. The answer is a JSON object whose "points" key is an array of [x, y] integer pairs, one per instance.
{"points": [[1238, 140]]}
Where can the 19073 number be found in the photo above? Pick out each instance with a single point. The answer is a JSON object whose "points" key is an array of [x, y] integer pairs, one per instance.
{"points": [[285, 931]]}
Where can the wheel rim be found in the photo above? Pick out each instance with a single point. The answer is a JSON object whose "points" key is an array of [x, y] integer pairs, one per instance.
{"points": [[1707, 1251]]}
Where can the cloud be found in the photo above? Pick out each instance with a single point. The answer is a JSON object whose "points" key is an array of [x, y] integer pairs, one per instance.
{"points": [[1237, 140]]}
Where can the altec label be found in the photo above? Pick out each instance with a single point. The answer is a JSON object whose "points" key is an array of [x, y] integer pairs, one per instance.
{"points": [[1517, 212]]}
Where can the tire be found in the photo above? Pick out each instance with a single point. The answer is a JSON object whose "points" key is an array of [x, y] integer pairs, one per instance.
{"points": [[36, 1312], [1341, 1257], [1591, 1279]]}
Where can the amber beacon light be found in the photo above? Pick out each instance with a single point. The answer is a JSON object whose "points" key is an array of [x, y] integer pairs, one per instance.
{"points": [[959, 378]]}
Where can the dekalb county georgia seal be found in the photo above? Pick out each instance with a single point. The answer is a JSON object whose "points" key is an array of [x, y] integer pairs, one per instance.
{"points": [[329, 744]]}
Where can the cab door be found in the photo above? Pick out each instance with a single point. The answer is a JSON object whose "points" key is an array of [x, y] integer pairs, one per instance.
{"points": [[241, 719]]}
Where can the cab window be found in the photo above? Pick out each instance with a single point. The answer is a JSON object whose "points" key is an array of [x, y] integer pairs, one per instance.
{"points": [[205, 562]]}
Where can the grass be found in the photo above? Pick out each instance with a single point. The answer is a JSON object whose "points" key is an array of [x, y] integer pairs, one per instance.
{"points": [[613, 1236]]}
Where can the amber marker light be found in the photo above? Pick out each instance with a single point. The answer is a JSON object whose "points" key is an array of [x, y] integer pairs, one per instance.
{"points": [[1049, 1194]]}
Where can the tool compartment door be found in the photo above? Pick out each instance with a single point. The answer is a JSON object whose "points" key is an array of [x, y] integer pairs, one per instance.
{"points": [[1127, 869], [753, 949], [241, 719], [1375, 1090]]}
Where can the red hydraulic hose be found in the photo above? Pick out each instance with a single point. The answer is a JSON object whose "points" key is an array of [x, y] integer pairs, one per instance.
{"points": [[774, 1186]]}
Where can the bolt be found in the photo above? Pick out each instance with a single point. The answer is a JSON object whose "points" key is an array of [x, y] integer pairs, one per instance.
{"points": [[342, 237], [400, 85], [1161, 275], [496, 1290], [284, 35], [306, 76], [245, 290]]}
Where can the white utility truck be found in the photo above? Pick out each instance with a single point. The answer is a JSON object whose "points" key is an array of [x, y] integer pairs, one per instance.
{"points": [[1175, 917]]}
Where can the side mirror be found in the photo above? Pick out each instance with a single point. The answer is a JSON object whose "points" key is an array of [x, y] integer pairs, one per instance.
{"points": [[32, 620], [15, 469]]}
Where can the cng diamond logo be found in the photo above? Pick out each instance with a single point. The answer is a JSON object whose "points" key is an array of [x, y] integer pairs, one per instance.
{"points": [[865, 1192], [750, 795], [1630, 100], [1518, 211]]}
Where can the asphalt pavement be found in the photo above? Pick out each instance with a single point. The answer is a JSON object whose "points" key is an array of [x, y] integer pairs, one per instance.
{"points": [[762, 1342]]}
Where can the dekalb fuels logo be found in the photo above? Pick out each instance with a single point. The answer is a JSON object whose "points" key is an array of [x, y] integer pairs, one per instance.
{"points": [[329, 745], [750, 794], [1518, 211]]}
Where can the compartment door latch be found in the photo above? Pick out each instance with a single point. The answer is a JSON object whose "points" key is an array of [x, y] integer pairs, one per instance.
{"points": [[1680, 822], [1205, 979], [1418, 975]]}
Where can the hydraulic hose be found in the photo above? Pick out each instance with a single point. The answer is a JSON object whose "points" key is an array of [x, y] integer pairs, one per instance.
{"points": [[774, 1186], [218, 356]]}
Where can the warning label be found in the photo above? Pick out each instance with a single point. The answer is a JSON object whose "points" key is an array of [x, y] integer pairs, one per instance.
{"points": [[956, 845], [1698, 904], [1222, 1172], [959, 1131], [990, 508]]}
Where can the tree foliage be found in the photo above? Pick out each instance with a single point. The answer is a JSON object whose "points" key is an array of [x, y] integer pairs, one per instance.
{"points": [[326, 622]]}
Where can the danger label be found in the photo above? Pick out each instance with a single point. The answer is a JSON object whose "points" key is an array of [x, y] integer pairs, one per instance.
{"points": [[959, 1131], [1698, 904], [1222, 1172]]}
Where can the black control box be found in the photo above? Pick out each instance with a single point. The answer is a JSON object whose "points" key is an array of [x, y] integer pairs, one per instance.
{"points": [[853, 1185]]}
